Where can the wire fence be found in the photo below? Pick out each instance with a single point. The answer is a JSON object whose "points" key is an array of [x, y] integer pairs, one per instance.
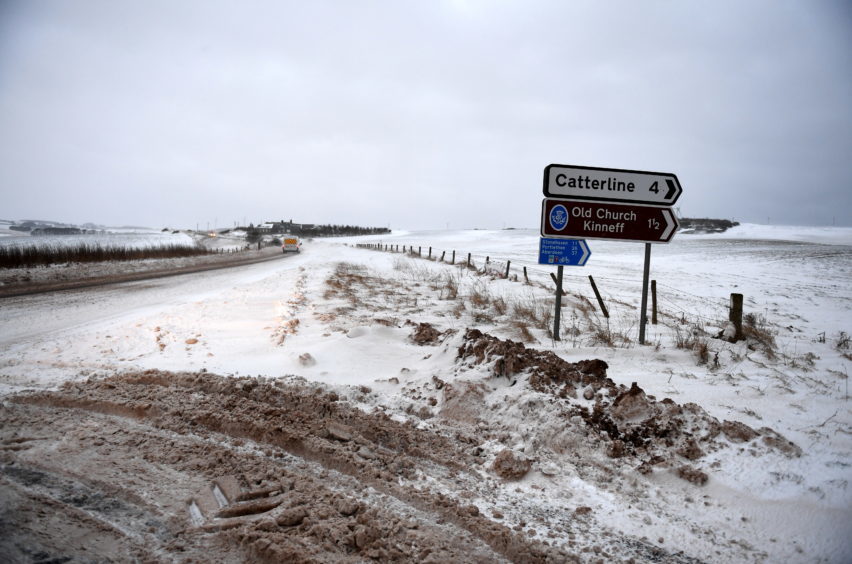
{"points": [[689, 307]]}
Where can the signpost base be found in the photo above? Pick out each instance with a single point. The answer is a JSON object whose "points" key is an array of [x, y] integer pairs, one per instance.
{"points": [[558, 311], [643, 316]]}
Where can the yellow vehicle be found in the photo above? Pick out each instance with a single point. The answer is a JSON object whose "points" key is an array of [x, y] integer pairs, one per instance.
{"points": [[291, 245]]}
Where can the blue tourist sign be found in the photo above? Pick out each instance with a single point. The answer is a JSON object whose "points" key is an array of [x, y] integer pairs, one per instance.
{"points": [[563, 252]]}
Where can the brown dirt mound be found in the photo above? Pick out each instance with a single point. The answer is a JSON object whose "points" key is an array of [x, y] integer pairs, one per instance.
{"points": [[547, 372], [511, 466], [425, 334], [630, 422]]}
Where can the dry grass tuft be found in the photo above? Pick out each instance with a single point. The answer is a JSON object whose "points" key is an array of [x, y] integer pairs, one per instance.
{"points": [[605, 336], [694, 339], [499, 305], [480, 295], [449, 286], [523, 332], [756, 330], [842, 343]]}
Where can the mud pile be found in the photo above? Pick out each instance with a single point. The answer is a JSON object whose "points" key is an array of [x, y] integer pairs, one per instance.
{"points": [[631, 423], [196, 467], [424, 334]]}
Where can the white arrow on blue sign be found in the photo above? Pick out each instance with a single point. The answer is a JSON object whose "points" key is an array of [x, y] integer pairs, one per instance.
{"points": [[563, 252]]}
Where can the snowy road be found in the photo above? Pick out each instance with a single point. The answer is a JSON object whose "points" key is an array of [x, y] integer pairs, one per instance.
{"points": [[43, 315], [47, 331]]}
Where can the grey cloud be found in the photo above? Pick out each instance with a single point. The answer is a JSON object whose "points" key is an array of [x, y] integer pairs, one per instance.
{"points": [[417, 114]]}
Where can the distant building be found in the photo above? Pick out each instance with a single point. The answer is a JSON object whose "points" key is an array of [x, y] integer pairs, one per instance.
{"points": [[314, 230]]}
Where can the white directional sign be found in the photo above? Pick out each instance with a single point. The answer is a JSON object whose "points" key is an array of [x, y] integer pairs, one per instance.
{"points": [[611, 185]]}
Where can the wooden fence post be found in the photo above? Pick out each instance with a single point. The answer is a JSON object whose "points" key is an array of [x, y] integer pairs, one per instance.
{"points": [[468, 260], [430, 252], [442, 255], [454, 258], [736, 315], [508, 262], [598, 296], [653, 302], [525, 275]]}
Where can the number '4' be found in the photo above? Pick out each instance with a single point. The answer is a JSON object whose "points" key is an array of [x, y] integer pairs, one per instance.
{"points": [[654, 188]]}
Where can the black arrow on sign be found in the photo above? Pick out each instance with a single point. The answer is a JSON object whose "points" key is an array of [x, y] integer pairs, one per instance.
{"points": [[672, 189]]}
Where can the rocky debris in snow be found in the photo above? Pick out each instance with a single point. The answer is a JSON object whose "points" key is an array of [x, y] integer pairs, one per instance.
{"points": [[547, 372], [307, 359], [627, 420], [425, 334], [693, 475], [615, 449], [511, 465], [737, 432], [460, 400], [632, 406], [339, 432], [289, 327], [291, 516], [250, 507], [549, 469], [774, 440], [690, 450]]}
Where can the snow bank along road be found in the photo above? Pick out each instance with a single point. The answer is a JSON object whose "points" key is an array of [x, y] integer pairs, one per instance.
{"points": [[347, 404], [29, 281]]}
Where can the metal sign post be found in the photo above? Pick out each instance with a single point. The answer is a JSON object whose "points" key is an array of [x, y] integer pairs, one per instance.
{"points": [[562, 252], [556, 315]]}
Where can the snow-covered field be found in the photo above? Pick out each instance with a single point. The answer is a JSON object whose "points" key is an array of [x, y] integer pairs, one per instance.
{"points": [[343, 317], [135, 240]]}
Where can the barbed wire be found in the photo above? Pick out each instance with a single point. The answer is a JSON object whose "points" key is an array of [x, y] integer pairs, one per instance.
{"points": [[483, 259]]}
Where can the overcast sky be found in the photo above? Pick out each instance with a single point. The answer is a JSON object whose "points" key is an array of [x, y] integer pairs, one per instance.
{"points": [[420, 114]]}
